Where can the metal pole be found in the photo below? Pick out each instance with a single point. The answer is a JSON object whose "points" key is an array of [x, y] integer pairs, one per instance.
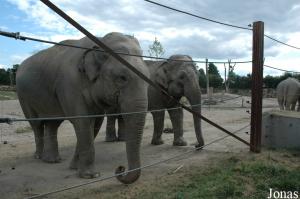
{"points": [[257, 85], [225, 77], [207, 78]]}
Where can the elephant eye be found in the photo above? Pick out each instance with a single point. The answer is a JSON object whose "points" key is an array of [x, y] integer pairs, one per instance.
{"points": [[123, 78], [165, 71], [179, 85]]}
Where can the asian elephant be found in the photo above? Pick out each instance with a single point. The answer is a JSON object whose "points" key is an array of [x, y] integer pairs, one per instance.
{"points": [[288, 93], [63, 81], [180, 79]]}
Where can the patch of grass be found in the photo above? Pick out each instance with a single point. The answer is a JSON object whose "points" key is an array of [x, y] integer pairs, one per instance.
{"points": [[231, 178], [8, 95], [25, 129]]}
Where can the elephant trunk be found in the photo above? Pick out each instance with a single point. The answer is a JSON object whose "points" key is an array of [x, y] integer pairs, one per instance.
{"points": [[134, 124], [193, 94]]}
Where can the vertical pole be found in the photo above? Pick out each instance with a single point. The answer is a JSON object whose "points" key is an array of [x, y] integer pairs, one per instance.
{"points": [[257, 84], [225, 77], [207, 77]]}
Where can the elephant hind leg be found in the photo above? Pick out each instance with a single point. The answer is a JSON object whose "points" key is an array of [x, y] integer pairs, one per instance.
{"points": [[50, 153], [281, 103], [158, 119], [293, 106], [38, 129], [111, 129]]}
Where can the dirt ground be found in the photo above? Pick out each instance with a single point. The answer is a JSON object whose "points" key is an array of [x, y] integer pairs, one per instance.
{"points": [[22, 176]]}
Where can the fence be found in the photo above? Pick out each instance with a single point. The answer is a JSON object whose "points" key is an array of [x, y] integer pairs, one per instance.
{"points": [[256, 103]]}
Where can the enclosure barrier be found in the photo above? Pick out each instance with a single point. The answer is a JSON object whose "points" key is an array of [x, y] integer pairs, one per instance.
{"points": [[257, 65]]}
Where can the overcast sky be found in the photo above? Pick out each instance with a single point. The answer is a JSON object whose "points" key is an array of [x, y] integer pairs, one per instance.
{"points": [[178, 33]]}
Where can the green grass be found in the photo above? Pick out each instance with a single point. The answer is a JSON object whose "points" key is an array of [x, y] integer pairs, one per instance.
{"points": [[231, 178], [8, 95], [25, 129]]}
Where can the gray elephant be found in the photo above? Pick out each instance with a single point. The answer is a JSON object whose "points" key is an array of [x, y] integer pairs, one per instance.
{"points": [[179, 78], [288, 93], [62, 81]]}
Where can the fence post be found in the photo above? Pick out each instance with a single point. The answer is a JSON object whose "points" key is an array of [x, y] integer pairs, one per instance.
{"points": [[256, 86], [207, 77]]}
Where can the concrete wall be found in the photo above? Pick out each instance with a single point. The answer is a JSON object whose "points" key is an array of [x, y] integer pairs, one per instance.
{"points": [[281, 129]]}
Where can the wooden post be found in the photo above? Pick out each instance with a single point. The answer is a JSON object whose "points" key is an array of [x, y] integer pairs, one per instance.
{"points": [[225, 77], [257, 85], [207, 77]]}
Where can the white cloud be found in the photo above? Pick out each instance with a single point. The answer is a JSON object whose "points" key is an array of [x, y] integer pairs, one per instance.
{"points": [[3, 28], [18, 58], [41, 15], [178, 33]]}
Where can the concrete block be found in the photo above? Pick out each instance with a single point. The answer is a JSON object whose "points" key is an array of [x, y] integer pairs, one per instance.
{"points": [[281, 129]]}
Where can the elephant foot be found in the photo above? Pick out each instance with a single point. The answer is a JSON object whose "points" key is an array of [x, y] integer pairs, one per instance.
{"points": [[37, 155], [121, 138], [111, 138], [200, 145], [74, 165], [51, 158], [88, 174], [179, 142], [157, 141]]}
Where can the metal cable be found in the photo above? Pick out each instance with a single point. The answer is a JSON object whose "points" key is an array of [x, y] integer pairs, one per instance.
{"points": [[289, 71], [17, 35], [276, 40], [10, 120], [197, 16], [143, 167]]}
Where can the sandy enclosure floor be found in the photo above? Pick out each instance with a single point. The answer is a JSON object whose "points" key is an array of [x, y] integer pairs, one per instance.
{"points": [[23, 176]]}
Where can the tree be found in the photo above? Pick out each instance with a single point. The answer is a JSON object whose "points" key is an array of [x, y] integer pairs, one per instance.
{"points": [[202, 78], [270, 81], [156, 49], [229, 74], [215, 79], [8, 77], [241, 82], [4, 77], [12, 74]]}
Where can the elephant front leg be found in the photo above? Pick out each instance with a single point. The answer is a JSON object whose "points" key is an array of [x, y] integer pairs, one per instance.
{"points": [[97, 126], [176, 117], [50, 153], [111, 129], [84, 157], [158, 119]]}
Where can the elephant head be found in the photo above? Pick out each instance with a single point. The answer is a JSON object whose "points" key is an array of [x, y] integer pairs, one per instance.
{"points": [[179, 77], [114, 85]]}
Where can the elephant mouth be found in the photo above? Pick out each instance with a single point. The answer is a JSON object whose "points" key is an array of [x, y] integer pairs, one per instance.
{"points": [[104, 104], [111, 101]]}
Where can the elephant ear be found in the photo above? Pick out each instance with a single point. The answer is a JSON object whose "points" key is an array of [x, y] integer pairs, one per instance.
{"points": [[161, 75], [91, 62]]}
